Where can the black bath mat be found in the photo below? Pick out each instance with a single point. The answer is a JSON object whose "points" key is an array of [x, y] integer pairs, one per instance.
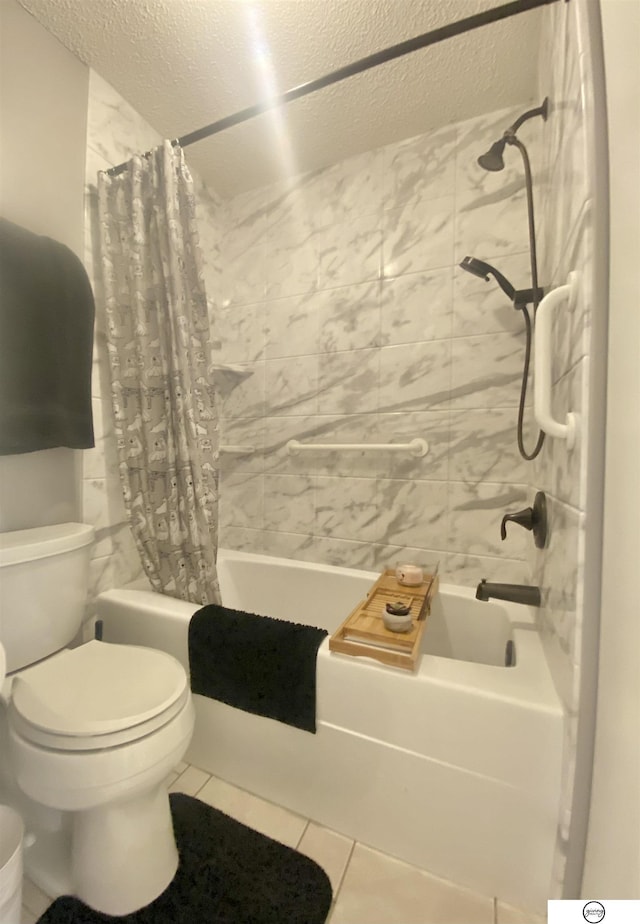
{"points": [[228, 874]]}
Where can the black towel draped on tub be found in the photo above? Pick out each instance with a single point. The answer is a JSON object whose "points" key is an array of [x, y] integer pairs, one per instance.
{"points": [[46, 342], [256, 663]]}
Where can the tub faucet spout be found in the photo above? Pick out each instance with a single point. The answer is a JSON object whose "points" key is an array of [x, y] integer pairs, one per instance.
{"points": [[514, 593]]}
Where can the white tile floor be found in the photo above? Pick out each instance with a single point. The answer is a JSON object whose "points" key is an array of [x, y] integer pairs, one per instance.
{"points": [[369, 887]]}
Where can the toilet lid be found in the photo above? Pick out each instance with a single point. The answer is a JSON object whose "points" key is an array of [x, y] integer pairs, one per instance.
{"points": [[98, 689]]}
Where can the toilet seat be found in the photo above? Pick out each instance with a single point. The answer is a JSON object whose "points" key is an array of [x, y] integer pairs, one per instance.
{"points": [[97, 696]]}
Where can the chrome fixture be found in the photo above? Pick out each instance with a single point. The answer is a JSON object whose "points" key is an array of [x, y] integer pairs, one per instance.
{"points": [[514, 593]]}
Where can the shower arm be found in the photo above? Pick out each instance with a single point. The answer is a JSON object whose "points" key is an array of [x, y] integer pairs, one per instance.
{"points": [[542, 110]]}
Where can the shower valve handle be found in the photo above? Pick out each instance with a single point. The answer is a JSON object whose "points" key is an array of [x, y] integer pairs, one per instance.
{"points": [[531, 518], [522, 518]]}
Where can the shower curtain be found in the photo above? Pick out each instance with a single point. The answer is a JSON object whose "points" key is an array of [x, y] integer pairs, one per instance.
{"points": [[159, 350]]}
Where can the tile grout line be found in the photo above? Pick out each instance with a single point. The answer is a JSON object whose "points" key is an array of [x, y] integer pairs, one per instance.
{"points": [[342, 877], [211, 776], [199, 790], [304, 831], [186, 769]]}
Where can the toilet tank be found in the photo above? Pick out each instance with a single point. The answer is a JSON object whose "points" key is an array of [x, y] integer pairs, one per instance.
{"points": [[44, 578]]}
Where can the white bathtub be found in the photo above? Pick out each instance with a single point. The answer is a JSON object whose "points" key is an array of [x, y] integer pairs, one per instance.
{"points": [[455, 768]]}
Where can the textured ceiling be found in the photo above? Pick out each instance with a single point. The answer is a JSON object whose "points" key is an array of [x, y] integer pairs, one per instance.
{"points": [[185, 63]]}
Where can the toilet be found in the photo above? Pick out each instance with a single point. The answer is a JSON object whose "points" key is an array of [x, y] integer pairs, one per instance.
{"points": [[91, 732]]}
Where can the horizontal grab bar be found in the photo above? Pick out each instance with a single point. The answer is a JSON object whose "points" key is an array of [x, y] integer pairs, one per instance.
{"points": [[417, 447], [238, 450], [542, 368]]}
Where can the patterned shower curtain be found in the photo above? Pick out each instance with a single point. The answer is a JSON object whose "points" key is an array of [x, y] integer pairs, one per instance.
{"points": [[160, 359]]}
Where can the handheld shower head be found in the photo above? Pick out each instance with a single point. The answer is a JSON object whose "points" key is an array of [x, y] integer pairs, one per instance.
{"points": [[483, 270], [493, 159]]}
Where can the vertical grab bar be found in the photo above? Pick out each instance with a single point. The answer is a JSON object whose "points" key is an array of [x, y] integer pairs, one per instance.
{"points": [[542, 368]]}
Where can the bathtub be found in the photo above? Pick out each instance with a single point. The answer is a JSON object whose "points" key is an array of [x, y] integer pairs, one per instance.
{"points": [[454, 768]]}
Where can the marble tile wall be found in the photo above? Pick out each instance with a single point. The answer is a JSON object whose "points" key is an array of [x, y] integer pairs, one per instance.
{"points": [[115, 132], [343, 301], [566, 181]]}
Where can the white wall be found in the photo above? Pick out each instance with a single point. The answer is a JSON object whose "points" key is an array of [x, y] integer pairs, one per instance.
{"points": [[44, 122], [43, 113], [612, 867]]}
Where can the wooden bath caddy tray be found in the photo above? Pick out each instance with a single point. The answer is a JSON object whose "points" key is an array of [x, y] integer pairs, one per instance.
{"points": [[363, 633]]}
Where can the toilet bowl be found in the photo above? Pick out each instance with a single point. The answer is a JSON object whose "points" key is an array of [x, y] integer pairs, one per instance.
{"points": [[95, 731], [92, 734]]}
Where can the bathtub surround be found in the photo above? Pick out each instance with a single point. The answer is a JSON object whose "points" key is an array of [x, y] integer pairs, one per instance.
{"points": [[345, 319], [158, 340], [343, 298]]}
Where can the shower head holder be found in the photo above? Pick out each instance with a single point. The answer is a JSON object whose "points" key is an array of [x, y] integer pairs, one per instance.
{"points": [[524, 297]]}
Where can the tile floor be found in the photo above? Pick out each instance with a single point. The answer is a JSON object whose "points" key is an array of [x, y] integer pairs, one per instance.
{"points": [[369, 887]]}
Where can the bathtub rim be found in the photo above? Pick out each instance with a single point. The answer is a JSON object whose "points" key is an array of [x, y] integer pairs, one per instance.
{"points": [[528, 682]]}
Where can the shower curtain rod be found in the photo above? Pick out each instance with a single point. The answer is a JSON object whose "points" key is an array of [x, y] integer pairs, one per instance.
{"points": [[356, 67]]}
